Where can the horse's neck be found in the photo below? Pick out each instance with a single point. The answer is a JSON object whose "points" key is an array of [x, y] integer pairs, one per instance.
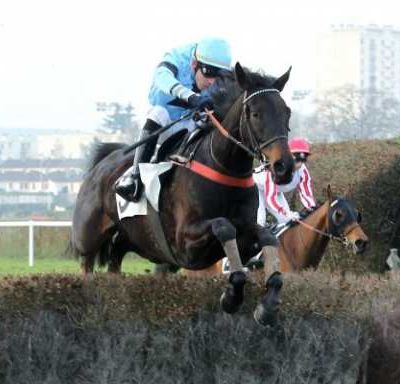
{"points": [[318, 242], [310, 245], [228, 156], [318, 219]]}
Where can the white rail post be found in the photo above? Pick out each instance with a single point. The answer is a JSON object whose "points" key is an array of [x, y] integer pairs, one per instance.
{"points": [[31, 244]]}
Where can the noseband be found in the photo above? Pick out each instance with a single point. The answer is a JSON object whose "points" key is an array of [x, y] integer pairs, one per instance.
{"points": [[331, 233]]}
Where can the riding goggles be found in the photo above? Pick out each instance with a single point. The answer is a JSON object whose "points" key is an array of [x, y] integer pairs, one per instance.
{"points": [[300, 157], [208, 70]]}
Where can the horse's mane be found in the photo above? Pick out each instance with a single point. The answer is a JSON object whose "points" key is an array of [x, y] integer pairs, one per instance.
{"points": [[101, 150], [224, 93], [227, 89]]}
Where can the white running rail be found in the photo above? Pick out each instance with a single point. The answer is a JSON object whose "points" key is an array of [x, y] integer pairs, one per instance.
{"points": [[31, 224]]}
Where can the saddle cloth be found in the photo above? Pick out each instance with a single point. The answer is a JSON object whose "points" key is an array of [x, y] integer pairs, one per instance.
{"points": [[150, 175]]}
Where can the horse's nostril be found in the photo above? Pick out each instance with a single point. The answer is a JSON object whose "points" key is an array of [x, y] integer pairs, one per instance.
{"points": [[360, 244], [279, 168]]}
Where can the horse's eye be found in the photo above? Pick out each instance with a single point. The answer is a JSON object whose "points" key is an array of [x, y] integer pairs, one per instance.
{"points": [[255, 115], [337, 217]]}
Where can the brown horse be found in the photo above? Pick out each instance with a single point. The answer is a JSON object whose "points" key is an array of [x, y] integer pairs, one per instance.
{"points": [[202, 217], [303, 245]]}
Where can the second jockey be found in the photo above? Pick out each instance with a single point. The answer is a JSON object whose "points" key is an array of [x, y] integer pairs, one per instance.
{"points": [[180, 83], [271, 195]]}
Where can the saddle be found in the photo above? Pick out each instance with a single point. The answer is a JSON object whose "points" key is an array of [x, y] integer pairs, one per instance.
{"points": [[179, 144], [278, 229]]}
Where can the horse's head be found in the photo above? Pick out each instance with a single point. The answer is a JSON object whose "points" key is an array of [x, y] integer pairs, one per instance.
{"points": [[344, 222], [264, 122]]}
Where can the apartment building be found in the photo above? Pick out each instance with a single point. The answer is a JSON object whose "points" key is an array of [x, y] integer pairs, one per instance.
{"points": [[366, 57], [47, 144]]}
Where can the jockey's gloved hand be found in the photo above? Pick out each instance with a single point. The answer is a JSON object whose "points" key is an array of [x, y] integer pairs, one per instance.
{"points": [[200, 102], [294, 216]]}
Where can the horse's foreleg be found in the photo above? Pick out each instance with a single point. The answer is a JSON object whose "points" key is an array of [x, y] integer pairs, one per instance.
{"points": [[255, 239], [222, 229], [271, 259], [266, 312], [225, 232]]}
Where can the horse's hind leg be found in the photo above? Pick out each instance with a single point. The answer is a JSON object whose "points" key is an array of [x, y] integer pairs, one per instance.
{"points": [[87, 264], [118, 248], [164, 269]]}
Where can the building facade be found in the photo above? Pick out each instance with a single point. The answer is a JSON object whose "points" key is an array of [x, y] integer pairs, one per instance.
{"points": [[35, 185], [45, 144], [366, 57]]}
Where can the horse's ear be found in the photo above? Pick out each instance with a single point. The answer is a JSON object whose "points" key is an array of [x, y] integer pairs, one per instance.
{"points": [[329, 193], [280, 83], [240, 76]]}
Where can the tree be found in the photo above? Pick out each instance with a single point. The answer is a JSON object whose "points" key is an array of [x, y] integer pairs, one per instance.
{"points": [[350, 113], [119, 118]]}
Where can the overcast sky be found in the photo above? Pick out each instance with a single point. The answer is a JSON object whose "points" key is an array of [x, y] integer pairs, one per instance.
{"points": [[59, 57]]}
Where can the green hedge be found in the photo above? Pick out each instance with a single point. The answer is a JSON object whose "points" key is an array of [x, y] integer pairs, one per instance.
{"points": [[63, 327], [368, 172]]}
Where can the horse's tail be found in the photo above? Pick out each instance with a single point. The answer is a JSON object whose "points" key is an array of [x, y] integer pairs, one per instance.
{"points": [[102, 258], [102, 150], [71, 250]]}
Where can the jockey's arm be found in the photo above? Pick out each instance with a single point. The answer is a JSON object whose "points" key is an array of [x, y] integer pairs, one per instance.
{"points": [[165, 79], [305, 189], [275, 201]]}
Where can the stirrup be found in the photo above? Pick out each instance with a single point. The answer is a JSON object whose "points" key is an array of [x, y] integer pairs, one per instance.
{"points": [[124, 182], [129, 191]]}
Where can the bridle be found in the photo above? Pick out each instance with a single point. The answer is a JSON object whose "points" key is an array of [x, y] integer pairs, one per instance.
{"points": [[255, 149], [341, 238]]}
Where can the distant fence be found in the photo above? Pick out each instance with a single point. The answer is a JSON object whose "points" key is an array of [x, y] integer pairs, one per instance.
{"points": [[31, 224]]}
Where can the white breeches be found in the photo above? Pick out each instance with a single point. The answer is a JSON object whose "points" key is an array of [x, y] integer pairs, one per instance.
{"points": [[161, 116]]}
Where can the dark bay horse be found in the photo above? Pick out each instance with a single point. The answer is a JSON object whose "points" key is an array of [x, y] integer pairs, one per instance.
{"points": [[200, 219], [303, 245]]}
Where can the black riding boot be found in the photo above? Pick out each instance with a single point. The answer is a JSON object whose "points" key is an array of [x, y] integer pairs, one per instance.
{"points": [[130, 188]]}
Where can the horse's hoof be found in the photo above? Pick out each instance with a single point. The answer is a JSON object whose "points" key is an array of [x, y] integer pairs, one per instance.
{"points": [[230, 303], [266, 317], [232, 298], [267, 312], [275, 281]]}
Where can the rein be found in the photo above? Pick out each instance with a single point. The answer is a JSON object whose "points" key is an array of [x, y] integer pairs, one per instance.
{"points": [[226, 134], [322, 233], [341, 239], [255, 151]]}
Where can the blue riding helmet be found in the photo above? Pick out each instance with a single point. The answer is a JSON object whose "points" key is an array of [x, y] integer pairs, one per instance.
{"points": [[213, 53]]}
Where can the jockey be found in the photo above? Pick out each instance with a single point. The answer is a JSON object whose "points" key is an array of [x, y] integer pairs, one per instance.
{"points": [[180, 82], [271, 195]]}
